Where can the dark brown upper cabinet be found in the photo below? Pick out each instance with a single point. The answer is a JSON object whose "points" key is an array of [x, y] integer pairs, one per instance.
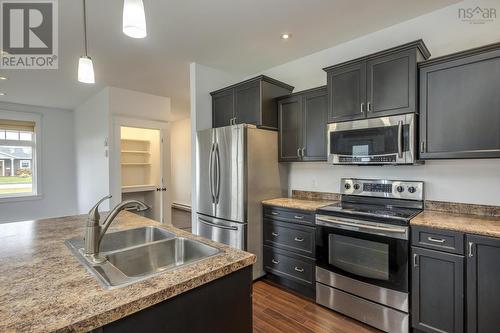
{"points": [[381, 84], [460, 105], [302, 126], [249, 102]]}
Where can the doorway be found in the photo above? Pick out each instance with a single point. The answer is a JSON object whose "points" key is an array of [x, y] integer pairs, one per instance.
{"points": [[143, 161]]}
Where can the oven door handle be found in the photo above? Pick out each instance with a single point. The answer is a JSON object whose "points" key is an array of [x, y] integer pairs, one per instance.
{"points": [[362, 225]]}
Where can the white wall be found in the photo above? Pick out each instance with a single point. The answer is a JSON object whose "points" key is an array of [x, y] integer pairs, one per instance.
{"points": [[470, 181], [92, 128], [180, 138], [202, 80], [135, 104], [57, 168]]}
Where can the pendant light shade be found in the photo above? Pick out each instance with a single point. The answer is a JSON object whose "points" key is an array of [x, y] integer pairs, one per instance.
{"points": [[86, 70], [134, 19]]}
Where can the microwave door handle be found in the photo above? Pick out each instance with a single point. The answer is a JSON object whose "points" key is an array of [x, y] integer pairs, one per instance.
{"points": [[400, 139]]}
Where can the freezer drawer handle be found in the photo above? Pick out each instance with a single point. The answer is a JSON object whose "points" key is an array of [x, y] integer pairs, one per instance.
{"points": [[221, 226], [299, 239], [274, 261], [275, 234], [299, 269]]}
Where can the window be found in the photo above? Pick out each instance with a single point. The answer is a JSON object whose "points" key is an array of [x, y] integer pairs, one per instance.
{"points": [[18, 155]]}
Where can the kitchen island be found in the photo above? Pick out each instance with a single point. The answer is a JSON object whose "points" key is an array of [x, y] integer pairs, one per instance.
{"points": [[44, 288]]}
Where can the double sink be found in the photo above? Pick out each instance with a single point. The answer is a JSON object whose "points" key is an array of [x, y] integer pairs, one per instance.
{"points": [[137, 254]]}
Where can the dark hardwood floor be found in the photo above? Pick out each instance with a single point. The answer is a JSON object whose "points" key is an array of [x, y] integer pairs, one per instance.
{"points": [[276, 310]]}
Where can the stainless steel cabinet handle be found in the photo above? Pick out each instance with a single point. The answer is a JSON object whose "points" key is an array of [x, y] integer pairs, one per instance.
{"points": [[415, 260], [400, 139], [275, 234], [369, 107], [299, 269], [422, 147], [298, 239], [436, 240], [298, 217], [362, 107], [275, 261], [471, 254], [303, 152], [275, 213], [298, 152]]}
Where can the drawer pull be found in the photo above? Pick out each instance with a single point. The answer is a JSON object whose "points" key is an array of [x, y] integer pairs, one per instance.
{"points": [[274, 261], [299, 239], [275, 234], [275, 213], [436, 240], [299, 269], [298, 217]]}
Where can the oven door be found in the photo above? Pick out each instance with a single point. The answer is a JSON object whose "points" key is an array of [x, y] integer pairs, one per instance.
{"points": [[366, 251], [385, 140]]}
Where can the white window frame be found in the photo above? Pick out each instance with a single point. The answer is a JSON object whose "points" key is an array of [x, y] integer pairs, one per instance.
{"points": [[36, 164], [24, 161], [3, 168]]}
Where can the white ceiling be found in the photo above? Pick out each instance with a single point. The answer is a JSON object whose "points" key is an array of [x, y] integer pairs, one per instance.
{"points": [[240, 36]]}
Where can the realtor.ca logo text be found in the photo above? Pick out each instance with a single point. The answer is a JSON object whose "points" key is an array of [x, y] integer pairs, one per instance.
{"points": [[477, 15], [28, 34]]}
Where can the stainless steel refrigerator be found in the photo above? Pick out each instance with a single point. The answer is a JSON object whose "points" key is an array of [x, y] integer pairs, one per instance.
{"points": [[236, 168]]}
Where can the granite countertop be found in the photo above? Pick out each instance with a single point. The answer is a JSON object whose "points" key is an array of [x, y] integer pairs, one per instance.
{"points": [[309, 205], [473, 224], [44, 288]]}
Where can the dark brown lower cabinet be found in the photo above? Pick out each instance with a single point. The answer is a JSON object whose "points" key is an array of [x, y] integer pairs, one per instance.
{"points": [[437, 291], [483, 284], [221, 306]]}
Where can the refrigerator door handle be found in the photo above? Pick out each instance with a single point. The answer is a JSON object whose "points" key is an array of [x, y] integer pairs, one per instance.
{"points": [[217, 172], [211, 172]]}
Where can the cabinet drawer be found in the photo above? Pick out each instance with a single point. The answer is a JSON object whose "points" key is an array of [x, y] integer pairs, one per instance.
{"points": [[288, 236], [289, 266], [292, 215], [438, 239]]}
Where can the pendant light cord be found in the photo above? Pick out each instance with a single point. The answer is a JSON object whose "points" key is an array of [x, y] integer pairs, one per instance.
{"points": [[85, 25]]}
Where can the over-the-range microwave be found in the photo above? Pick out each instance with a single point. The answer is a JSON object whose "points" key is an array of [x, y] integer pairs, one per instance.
{"points": [[384, 140]]}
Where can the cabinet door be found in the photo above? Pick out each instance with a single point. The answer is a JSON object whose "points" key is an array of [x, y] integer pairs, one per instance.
{"points": [[290, 137], [222, 108], [347, 93], [437, 291], [314, 120], [459, 106], [391, 84], [247, 103], [483, 284]]}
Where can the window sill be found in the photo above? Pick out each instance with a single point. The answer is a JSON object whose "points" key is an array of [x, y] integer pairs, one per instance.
{"points": [[18, 198]]}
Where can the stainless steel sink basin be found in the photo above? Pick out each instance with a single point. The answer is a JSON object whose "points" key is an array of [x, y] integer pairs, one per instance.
{"points": [[153, 258], [137, 254], [118, 240]]}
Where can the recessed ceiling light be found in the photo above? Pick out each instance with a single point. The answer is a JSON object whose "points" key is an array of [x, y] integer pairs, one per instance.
{"points": [[2, 94], [286, 36], [3, 78]]}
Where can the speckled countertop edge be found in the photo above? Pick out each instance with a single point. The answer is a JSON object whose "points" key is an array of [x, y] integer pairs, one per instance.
{"points": [[35, 265], [302, 204]]}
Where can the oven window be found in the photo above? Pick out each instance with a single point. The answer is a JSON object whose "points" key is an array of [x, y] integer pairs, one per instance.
{"points": [[368, 141], [359, 256]]}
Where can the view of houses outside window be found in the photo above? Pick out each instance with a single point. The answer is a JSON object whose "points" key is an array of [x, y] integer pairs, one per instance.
{"points": [[16, 158]]}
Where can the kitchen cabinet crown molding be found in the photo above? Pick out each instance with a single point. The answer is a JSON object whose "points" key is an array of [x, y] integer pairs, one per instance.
{"points": [[459, 55], [257, 78], [419, 44]]}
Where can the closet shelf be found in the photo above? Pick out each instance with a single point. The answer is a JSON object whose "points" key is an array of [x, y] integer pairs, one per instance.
{"points": [[138, 188], [132, 164], [136, 151]]}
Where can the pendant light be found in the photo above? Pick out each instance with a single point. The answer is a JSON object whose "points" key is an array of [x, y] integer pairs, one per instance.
{"points": [[134, 19], [85, 65]]}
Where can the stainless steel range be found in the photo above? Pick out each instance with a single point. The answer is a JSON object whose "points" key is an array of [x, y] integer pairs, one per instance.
{"points": [[363, 251]]}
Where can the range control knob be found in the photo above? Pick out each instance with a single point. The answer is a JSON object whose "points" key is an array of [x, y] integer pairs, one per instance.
{"points": [[356, 186], [400, 189], [412, 189], [347, 186]]}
